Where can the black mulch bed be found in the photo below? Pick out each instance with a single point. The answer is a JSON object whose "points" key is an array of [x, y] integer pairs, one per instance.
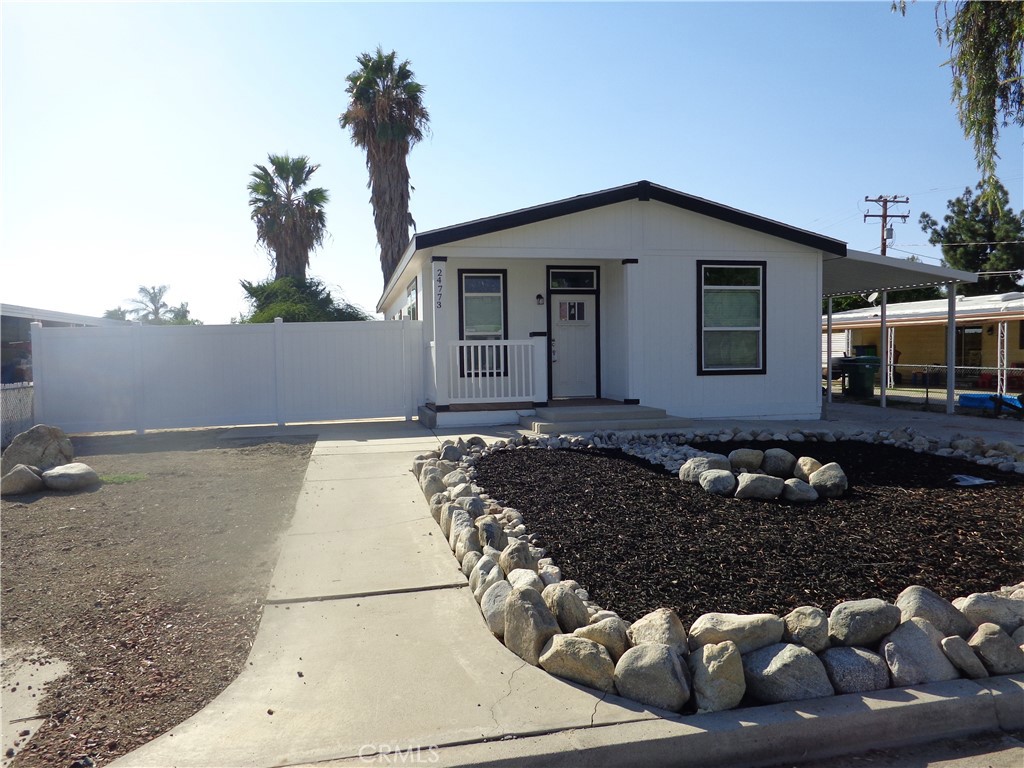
{"points": [[638, 539]]}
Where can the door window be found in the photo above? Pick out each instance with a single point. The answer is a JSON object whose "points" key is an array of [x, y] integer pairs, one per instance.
{"points": [[572, 311]]}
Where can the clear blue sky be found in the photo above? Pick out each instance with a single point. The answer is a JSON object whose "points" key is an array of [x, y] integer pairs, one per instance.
{"points": [[129, 130]]}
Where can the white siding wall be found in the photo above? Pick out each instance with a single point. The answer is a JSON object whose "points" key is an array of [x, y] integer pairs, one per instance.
{"points": [[652, 352], [151, 377]]}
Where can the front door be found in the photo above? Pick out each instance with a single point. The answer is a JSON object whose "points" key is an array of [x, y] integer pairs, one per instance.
{"points": [[573, 345]]}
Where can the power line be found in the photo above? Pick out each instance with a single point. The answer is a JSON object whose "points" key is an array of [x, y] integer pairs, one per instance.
{"points": [[981, 242]]}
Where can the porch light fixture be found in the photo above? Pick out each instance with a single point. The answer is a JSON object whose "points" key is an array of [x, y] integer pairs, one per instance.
{"points": [[540, 300]]}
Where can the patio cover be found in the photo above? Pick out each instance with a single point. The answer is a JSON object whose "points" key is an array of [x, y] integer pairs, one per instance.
{"points": [[863, 272]]}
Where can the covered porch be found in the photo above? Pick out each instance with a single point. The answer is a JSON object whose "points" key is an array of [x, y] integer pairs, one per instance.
{"points": [[869, 274]]}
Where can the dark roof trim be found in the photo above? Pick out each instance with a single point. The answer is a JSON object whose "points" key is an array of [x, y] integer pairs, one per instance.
{"points": [[640, 190]]}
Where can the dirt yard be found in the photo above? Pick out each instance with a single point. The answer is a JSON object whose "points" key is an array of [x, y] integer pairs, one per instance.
{"points": [[149, 587]]}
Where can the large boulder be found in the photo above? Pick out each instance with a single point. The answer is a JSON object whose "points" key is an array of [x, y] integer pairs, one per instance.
{"points": [[431, 482], [748, 632], [523, 577], [805, 467], [652, 674], [986, 607], [785, 672], [778, 462], [41, 446], [921, 602], [75, 476], [490, 532], [517, 555], [829, 481], [492, 605], [748, 459], [660, 626], [720, 482], [963, 657], [486, 571], [855, 670], [807, 626], [20, 480], [460, 521], [799, 491], [566, 605], [611, 632], [862, 622], [717, 672], [465, 542], [763, 487], [997, 651], [691, 471], [578, 659], [529, 624], [914, 654]]}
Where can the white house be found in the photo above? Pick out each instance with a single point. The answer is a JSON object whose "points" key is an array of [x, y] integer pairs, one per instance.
{"points": [[639, 295]]}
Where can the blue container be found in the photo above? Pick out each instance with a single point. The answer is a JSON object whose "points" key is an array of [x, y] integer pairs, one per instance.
{"points": [[985, 402]]}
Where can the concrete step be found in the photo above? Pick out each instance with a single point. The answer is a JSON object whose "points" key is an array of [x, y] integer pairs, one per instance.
{"points": [[560, 427], [598, 412]]}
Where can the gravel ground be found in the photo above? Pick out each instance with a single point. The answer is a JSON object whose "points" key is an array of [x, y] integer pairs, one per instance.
{"points": [[638, 539], [149, 587]]}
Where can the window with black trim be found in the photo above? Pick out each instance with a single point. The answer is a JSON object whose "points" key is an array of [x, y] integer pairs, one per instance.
{"points": [[574, 279], [731, 317], [483, 313]]}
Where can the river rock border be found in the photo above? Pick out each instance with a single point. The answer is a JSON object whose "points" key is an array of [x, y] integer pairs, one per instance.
{"points": [[721, 659]]}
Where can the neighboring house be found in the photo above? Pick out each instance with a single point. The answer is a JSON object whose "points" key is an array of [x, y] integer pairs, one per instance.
{"points": [[989, 335], [638, 294], [16, 337]]}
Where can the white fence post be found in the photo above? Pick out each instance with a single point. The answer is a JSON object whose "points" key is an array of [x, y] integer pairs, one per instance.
{"points": [[279, 380], [407, 387], [138, 379], [540, 369], [38, 400]]}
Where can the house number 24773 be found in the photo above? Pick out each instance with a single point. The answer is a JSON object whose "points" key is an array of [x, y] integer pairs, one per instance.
{"points": [[438, 286]]}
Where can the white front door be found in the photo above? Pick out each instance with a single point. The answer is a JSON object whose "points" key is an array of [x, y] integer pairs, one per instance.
{"points": [[573, 345]]}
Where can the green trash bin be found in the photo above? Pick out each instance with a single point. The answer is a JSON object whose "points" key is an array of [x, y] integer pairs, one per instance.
{"points": [[860, 373]]}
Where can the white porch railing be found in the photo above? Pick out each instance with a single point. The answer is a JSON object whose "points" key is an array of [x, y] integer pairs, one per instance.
{"points": [[495, 371]]}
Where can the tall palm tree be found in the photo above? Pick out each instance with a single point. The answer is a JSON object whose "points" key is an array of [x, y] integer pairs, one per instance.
{"points": [[386, 117], [150, 306], [290, 219]]}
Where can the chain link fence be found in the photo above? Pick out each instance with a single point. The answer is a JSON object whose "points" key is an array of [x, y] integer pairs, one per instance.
{"points": [[15, 409], [976, 388]]}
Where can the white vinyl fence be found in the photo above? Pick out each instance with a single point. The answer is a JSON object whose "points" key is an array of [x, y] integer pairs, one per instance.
{"points": [[156, 377]]}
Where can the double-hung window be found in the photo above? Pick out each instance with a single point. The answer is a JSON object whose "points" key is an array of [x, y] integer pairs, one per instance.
{"points": [[730, 317], [483, 313]]}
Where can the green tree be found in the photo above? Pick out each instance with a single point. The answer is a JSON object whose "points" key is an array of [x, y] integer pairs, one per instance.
{"points": [[117, 313], [290, 219], [386, 118], [181, 315], [980, 237], [986, 56], [296, 301], [150, 306]]}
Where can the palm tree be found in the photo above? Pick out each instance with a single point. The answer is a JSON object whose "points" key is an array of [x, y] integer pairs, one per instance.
{"points": [[150, 307], [386, 117], [118, 313], [290, 219]]}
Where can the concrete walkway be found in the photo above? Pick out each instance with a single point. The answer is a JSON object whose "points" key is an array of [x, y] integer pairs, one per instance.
{"points": [[372, 650]]}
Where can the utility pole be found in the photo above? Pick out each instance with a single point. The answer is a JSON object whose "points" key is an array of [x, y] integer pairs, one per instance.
{"points": [[885, 201]]}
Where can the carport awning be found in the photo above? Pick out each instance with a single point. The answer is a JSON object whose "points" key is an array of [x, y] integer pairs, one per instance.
{"points": [[863, 272]]}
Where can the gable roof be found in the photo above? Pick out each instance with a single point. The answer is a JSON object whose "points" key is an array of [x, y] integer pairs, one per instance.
{"points": [[640, 190]]}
